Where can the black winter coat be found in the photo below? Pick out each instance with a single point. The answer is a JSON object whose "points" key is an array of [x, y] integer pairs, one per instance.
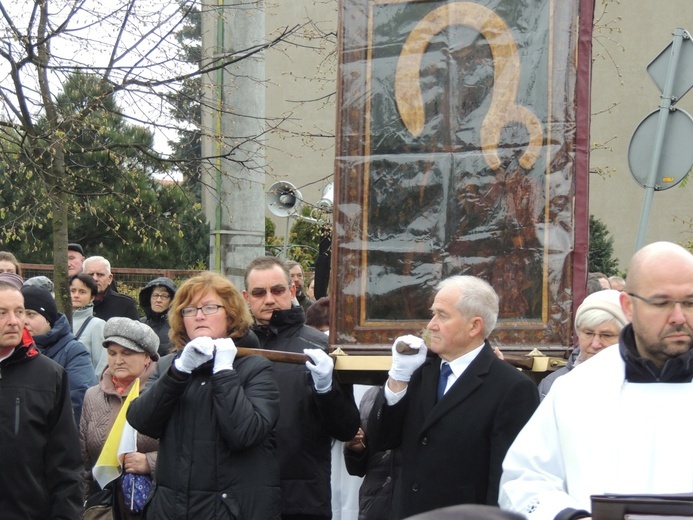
{"points": [[41, 469], [308, 420], [217, 452], [115, 304]]}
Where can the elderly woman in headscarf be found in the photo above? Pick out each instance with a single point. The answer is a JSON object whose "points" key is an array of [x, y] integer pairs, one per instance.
{"points": [[213, 412], [598, 323], [132, 354]]}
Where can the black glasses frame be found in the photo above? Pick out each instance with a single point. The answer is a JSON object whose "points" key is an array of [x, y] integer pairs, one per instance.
{"points": [[665, 303], [189, 312]]}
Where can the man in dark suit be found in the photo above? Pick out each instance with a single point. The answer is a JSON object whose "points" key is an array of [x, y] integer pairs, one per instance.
{"points": [[450, 448]]}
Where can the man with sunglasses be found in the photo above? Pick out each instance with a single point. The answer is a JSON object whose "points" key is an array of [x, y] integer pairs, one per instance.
{"points": [[620, 422], [314, 407]]}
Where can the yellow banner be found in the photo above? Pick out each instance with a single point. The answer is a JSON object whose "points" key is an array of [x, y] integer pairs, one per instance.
{"points": [[108, 466]]}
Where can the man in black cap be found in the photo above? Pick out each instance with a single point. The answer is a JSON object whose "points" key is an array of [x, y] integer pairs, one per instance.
{"points": [[53, 337], [75, 258]]}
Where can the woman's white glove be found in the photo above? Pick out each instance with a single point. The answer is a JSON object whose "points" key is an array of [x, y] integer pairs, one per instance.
{"points": [[197, 352], [404, 365], [225, 354], [321, 371]]}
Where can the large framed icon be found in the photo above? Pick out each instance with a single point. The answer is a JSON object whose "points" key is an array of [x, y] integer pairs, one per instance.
{"points": [[462, 148]]}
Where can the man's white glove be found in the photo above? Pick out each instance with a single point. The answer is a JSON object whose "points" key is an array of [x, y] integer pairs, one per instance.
{"points": [[225, 354], [197, 352], [404, 365], [321, 371]]}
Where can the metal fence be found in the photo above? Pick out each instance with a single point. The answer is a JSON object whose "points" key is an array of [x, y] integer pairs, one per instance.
{"points": [[129, 281]]}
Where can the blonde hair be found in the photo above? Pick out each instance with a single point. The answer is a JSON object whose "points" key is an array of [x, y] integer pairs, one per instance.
{"points": [[237, 313]]}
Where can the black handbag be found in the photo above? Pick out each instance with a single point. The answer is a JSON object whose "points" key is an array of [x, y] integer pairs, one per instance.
{"points": [[102, 505]]}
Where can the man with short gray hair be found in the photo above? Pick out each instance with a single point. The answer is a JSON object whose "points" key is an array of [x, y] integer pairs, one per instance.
{"points": [[296, 272], [108, 303], [617, 282], [452, 416]]}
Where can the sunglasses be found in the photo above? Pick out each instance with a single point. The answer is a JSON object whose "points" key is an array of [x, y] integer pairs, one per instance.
{"points": [[276, 290]]}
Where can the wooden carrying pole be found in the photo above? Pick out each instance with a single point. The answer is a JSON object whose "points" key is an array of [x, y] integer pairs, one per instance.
{"points": [[299, 359], [274, 355]]}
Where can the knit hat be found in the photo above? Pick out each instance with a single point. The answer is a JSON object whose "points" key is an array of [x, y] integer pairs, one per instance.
{"points": [[75, 247], [133, 335], [12, 279], [41, 281], [607, 300], [40, 300]]}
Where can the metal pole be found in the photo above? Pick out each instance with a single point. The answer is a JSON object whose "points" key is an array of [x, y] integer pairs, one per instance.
{"points": [[664, 109], [286, 239]]}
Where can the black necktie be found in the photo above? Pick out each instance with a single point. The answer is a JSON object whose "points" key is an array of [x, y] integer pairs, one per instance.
{"points": [[445, 372]]}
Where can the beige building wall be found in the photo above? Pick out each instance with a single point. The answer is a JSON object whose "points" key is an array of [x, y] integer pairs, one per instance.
{"points": [[628, 36], [642, 29], [301, 88]]}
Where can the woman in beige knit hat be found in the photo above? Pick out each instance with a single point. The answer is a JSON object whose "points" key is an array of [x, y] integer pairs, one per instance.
{"points": [[598, 323]]}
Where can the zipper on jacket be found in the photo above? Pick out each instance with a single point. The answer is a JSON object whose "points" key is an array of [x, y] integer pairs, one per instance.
{"points": [[17, 407]]}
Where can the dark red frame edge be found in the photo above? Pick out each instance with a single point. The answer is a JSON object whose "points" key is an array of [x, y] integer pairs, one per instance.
{"points": [[582, 151]]}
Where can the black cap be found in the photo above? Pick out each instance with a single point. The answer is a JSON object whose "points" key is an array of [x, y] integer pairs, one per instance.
{"points": [[40, 300], [75, 247]]}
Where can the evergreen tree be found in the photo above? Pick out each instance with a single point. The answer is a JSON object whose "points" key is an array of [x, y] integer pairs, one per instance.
{"points": [[116, 208], [601, 249]]}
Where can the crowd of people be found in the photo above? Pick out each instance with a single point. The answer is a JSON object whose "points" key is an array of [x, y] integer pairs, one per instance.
{"points": [[454, 431]]}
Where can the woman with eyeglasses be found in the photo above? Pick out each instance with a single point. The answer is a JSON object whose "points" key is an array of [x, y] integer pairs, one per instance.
{"points": [[155, 300], [213, 413], [598, 323]]}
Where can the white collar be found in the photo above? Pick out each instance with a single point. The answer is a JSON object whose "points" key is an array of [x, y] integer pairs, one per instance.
{"points": [[460, 364]]}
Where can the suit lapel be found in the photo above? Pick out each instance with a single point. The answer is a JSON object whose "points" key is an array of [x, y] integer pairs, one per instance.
{"points": [[465, 385], [429, 385]]}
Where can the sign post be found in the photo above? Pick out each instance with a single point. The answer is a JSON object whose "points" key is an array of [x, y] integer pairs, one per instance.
{"points": [[661, 140]]}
